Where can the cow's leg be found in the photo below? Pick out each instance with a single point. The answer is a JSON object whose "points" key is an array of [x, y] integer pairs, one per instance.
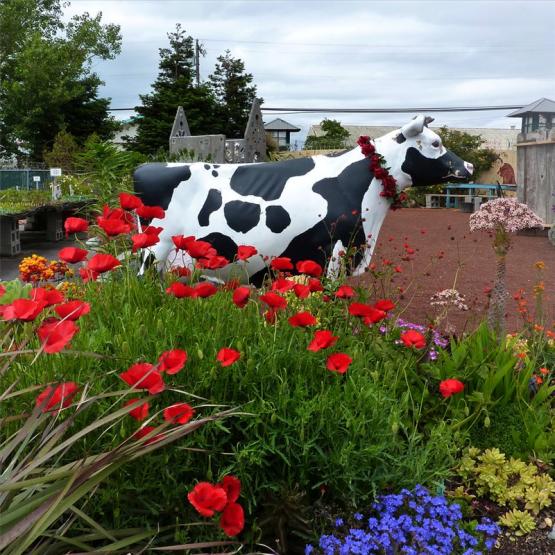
{"points": [[334, 265]]}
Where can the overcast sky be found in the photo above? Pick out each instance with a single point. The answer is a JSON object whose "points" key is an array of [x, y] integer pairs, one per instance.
{"points": [[349, 54]]}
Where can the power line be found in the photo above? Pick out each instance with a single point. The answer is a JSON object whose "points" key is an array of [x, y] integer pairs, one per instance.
{"points": [[372, 110]]}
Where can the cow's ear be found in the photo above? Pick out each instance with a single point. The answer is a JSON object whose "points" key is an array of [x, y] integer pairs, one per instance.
{"points": [[427, 120], [414, 127], [400, 138]]}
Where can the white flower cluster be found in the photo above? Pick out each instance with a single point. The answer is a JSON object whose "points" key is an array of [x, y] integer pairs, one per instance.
{"points": [[505, 212], [449, 297]]}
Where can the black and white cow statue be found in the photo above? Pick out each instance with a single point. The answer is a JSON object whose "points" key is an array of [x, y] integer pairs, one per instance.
{"points": [[304, 208]]}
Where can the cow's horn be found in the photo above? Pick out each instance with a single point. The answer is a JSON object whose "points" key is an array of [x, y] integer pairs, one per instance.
{"points": [[427, 120], [414, 127]]}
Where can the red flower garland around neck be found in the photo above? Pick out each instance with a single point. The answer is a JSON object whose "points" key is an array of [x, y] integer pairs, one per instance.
{"points": [[377, 166]]}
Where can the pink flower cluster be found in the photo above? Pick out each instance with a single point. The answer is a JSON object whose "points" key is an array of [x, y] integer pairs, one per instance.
{"points": [[507, 213], [449, 297]]}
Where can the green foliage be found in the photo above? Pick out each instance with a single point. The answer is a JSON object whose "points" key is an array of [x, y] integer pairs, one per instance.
{"points": [[13, 201], [519, 522], [234, 92], [46, 81], [63, 152], [510, 483], [103, 168], [469, 147], [496, 386], [335, 136]]}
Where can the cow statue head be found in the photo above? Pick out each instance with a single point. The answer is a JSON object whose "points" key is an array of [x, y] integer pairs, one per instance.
{"points": [[419, 157]]}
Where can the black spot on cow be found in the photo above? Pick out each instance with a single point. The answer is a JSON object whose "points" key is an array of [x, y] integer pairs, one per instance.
{"points": [[242, 216], [206, 166], [222, 243], [214, 173], [424, 171], [212, 203], [268, 180], [342, 221], [216, 166], [155, 183], [277, 218]]}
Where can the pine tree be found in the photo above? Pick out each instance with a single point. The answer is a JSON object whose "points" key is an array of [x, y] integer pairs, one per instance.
{"points": [[235, 94], [174, 86]]}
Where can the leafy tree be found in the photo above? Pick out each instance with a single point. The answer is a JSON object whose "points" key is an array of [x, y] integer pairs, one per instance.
{"points": [[469, 148], [63, 152], [235, 94], [174, 87], [46, 81], [335, 136]]}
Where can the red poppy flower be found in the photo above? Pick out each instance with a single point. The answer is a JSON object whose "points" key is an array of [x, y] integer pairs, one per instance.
{"points": [[144, 240], [143, 376], [338, 362], [72, 310], [282, 285], [450, 387], [113, 226], [140, 412], [180, 290], [281, 264], [88, 275], [315, 285], [303, 319], [207, 498], [180, 413], [181, 271], [150, 212], [146, 430], [201, 249], [413, 338], [226, 357], [23, 309], [55, 334], [244, 252], [273, 300], [75, 225], [345, 292], [232, 487], [101, 263], [181, 242], [205, 289], [385, 304], [232, 520], [58, 397], [153, 230], [322, 340], [374, 316], [309, 267], [270, 316], [301, 291], [360, 309], [48, 296], [213, 262], [241, 296], [72, 255], [129, 202], [2, 290], [171, 362]]}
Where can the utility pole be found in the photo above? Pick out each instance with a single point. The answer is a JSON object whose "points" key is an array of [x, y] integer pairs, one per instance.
{"points": [[197, 62]]}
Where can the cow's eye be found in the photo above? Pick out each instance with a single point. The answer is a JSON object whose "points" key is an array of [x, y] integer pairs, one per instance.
{"points": [[436, 144]]}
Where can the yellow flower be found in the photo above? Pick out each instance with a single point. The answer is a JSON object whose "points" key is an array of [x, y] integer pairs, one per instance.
{"points": [[540, 265]]}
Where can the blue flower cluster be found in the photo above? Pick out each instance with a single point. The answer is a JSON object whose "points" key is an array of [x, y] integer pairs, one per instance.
{"points": [[411, 523]]}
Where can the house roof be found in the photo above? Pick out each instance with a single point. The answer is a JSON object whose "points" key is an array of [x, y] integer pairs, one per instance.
{"points": [[543, 105], [279, 124]]}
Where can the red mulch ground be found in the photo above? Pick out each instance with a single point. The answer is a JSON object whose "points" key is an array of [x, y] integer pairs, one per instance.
{"points": [[447, 255]]}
